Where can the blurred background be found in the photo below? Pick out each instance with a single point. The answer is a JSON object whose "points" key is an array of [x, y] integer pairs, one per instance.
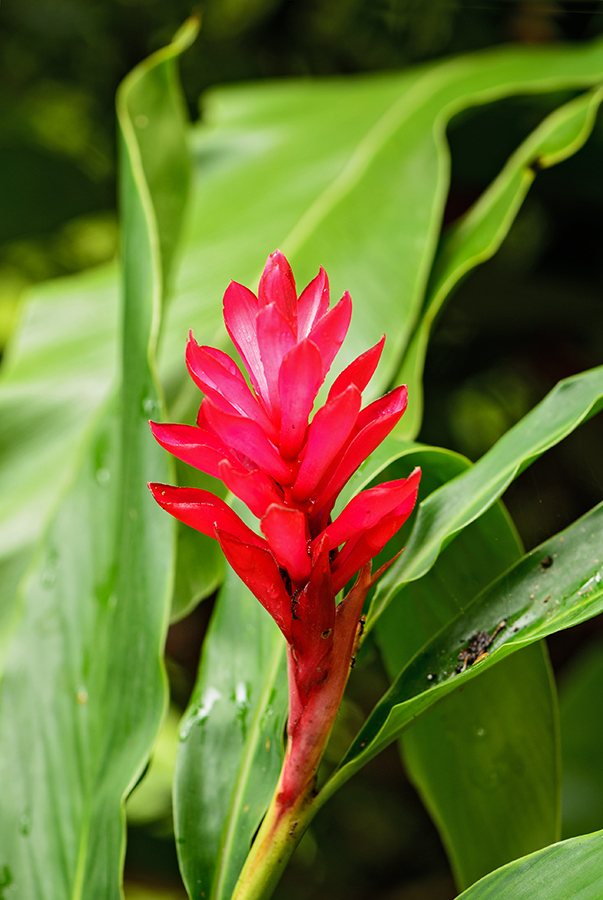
{"points": [[518, 324]]}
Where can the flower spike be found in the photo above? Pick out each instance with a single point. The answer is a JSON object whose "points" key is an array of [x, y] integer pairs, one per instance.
{"points": [[288, 466]]}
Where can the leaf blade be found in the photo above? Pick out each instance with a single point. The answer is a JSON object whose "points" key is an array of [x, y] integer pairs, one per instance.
{"points": [[481, 230], [578, 587], [450, 509], [489, 754], [94, 610], [567, 870]]}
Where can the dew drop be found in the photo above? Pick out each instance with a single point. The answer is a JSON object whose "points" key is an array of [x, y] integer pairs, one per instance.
{"points": [[209, 698], [149, 406], [82, 697], [141, 121], [241, 694]]}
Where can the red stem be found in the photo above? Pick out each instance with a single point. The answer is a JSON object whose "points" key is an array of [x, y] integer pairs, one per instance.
{"points": [[291, 809]]}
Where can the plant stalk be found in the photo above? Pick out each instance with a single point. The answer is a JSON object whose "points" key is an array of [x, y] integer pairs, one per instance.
{"points": [[293, 805]]}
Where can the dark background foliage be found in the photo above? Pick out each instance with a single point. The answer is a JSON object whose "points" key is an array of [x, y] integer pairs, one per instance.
{"points": [[516, 326]]}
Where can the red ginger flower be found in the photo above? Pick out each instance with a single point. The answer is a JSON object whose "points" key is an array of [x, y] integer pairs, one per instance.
{"points": [[288, 471]]}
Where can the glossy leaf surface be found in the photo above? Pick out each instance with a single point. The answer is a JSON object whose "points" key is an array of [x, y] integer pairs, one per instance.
{"points": [[322, 169], [533, 600], [485, 760], [454, 506], [572, 870], [582, 741], [478, 234], [84, 689]]}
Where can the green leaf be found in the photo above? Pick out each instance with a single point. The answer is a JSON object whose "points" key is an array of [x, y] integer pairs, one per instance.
{"points": [[485, 760], [323, 169], [84, 689], [231, 747], [54, 380], [155, 134], [582, 741], [571, 870], [479, 233], [455, 505], [486, 764], [555, 586]]}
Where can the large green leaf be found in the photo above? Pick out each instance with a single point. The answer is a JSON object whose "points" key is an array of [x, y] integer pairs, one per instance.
{"points": [[582, 741], [479, 233], [455, 505], [57, 374], [232, 743], [323, 169], [555, 586], [485, 760], [571, 870], [486, 763], [84, 689]]}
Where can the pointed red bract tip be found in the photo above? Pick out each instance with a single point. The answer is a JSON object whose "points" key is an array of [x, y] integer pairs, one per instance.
{"points": [[257, 568], [329, 332], [360, 371], [203, 511], [368, 508], [277, 286], [313, 304]]}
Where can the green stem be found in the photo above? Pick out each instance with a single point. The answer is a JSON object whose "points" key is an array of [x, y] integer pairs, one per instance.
{"points": [[280, 832]]}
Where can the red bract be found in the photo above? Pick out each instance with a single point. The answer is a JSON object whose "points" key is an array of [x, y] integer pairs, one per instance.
{"points": [[289, 470]]}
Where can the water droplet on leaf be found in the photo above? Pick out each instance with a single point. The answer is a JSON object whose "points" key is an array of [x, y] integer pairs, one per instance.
{"points": [[209, 698]]}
